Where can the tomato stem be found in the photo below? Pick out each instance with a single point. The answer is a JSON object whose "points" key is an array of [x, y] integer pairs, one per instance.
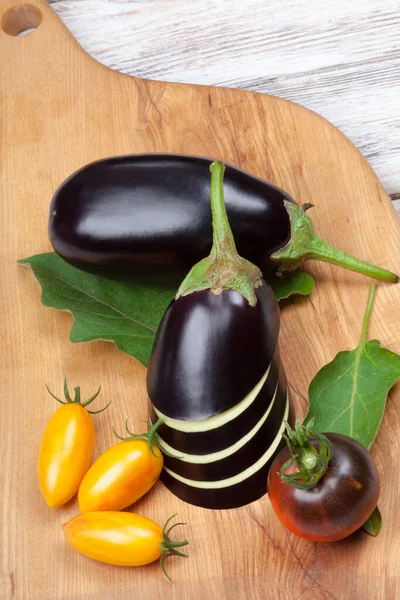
{"points": [[168, 547], [150, 437], [66, 391], [311, 462], [77, 398]]}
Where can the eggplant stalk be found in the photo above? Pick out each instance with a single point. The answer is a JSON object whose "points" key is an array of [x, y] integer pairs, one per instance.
{"points": [[223, 269], [306, 245]]}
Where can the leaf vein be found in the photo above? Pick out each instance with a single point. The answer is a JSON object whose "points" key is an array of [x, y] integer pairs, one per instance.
{"points": [[112, 308], [338, 417], [331, 383]]}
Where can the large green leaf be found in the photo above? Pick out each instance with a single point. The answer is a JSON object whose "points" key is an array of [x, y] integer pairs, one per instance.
{"points": [[125, 313], [349, 394]]}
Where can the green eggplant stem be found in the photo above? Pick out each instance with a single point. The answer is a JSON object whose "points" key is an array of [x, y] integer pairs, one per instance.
{"points": [[306, 245], [324, 252], [223, 269], [223, 241]]}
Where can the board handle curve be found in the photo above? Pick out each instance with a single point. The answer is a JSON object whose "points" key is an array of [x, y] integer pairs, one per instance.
{"points": [[31, 31], [20, 17]]}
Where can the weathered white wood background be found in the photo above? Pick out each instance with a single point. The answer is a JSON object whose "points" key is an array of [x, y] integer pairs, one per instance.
{"points": [[341, 59]]}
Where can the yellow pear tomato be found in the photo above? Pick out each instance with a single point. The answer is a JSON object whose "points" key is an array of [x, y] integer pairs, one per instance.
{"points": [[123, 474], [121, 538], [66, 449]]}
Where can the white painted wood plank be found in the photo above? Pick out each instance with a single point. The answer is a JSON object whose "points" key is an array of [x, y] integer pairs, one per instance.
{"points": [[341, 59]]}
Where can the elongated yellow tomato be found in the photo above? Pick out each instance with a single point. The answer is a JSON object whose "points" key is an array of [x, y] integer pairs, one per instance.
{"points": [[66, 450], [121, 538], [65, 453], [123, 474]]}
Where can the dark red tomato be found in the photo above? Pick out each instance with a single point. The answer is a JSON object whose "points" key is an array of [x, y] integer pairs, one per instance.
{"points": [[338, 504]]}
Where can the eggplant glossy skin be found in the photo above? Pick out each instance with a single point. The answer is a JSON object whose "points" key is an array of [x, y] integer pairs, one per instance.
{"points": [[150, 213], [245, 492], [210, 351], [240, 460], [201, 442], [237, 475]]}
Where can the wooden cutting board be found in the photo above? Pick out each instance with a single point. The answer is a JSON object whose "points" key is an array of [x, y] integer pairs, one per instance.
{"points": [[59, 110]]}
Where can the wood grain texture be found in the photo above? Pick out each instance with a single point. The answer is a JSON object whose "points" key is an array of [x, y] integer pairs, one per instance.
{"points": [[341, 59], [59, 109]]}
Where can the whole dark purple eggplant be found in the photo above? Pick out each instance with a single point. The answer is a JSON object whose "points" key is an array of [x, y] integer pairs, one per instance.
{"points": [[149, 214], [215, 379]]}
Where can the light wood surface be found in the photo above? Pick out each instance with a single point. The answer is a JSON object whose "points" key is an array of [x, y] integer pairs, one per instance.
{"points": [[341, 59], [59, 109]]}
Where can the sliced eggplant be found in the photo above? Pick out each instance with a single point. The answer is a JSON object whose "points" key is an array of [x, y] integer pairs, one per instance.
{"points": [[210, 351], [215, 378], [235, 458], [231, 492], [219, 432]]}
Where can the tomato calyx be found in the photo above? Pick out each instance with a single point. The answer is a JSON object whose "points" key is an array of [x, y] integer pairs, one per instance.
{"points": [[150, 437], [168, 547], [311, 462], [77, 398]]}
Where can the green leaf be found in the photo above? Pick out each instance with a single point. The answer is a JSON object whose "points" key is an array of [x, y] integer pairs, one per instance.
{"points": [[291, 282], [374, 523], [125, 313], [348, 395]]}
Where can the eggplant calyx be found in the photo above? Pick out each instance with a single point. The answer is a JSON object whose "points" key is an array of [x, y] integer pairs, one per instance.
{"points": [[77, 398], [150, 437], [311, 462], [223, 269], [168, 547], [304, 245]]}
